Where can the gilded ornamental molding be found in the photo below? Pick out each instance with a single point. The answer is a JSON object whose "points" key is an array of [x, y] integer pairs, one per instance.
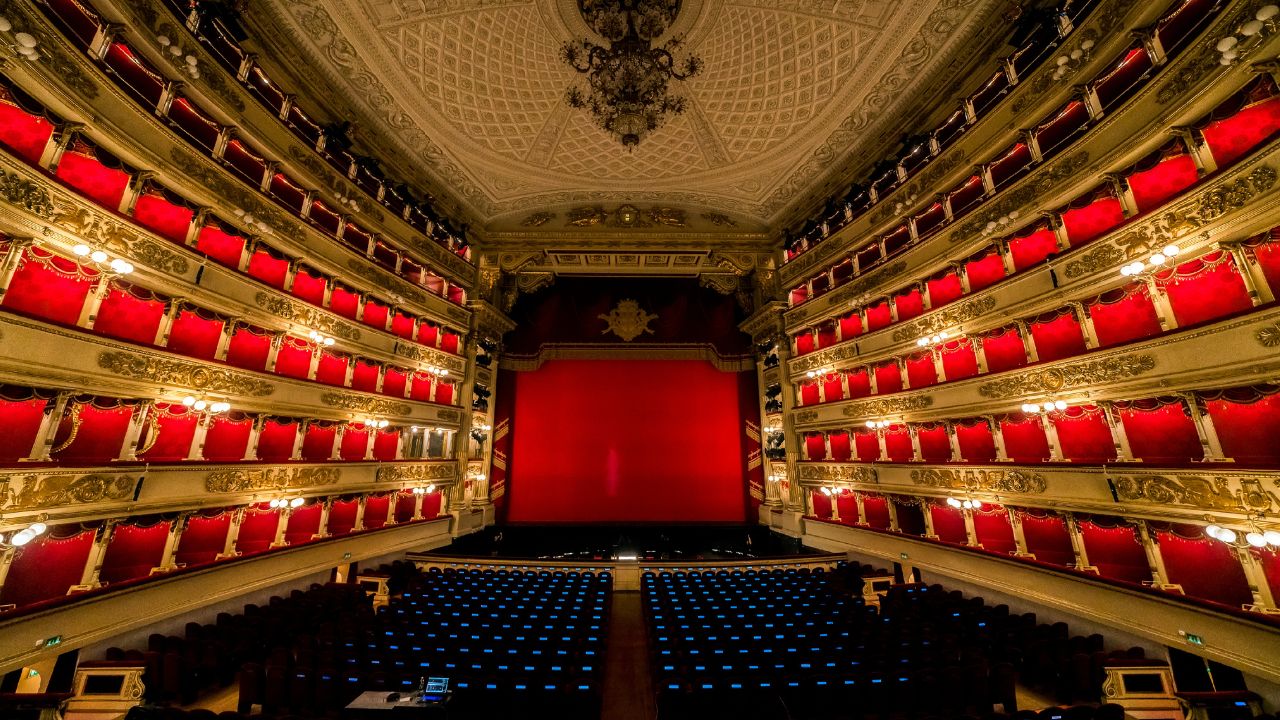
{"points": [[304, 314], [190, 375], [826, 472], [887, 406], [413, 351], [1204, 492], [39, 491], [945, 319], [1059, 171], [416, 472], [360, 403], [1268, 335], [846, 293], [805, 416], [1069, 376], [824, 358], [1019, 482], [270, 478], [54, 55], [203, 172]]}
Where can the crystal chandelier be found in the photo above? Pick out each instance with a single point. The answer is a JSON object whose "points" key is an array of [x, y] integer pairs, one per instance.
{"points": [[627, 81]]}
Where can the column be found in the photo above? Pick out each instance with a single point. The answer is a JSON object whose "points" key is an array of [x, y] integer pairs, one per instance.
{"points": [[1019, 535], [373, 437], [862, 509], [54, 409], [826, 445], [1164, 311], [893, 513], [233, 534], [323, 530], [93, 303], [1051, 434], [970, 530], [274, 352], [282, 524], [953, 439], [196, 451], [938, 368], [1006, 257], [166, 322], [916, 455], [1200, 152], [1086, 325], [1251, 273], [171, 543], [129, 447], [93, 565], [351, 371], [1119, 437], [132, 191], [835, 505], [392, 500], [7, 552], [979, 353], [997, 435], [1256, 576], [884, 447], [1159, 576], [963, 276], [255, 434], [1124, 194], [59, 142], [224, 341], [902, 372], [336, 453], [417, 507], [1207, 433], [926, 510], [360, 506], [1059, 230], [1077, 545], [298, 438], [9, 264], [1028, 341], [314, 364]]}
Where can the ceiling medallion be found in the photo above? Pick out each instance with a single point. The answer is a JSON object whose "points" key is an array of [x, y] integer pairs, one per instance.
{"points": [[626, 216], [627, 81]]}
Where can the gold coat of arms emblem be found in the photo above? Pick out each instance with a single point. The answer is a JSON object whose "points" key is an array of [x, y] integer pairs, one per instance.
{"points": [[628, 321]]}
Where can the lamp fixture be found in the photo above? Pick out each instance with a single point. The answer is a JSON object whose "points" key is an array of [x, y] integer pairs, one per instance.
{"points": [[374, 423], [1001, 223], [200, 404], [102, 260], [626, 91], [25, 44], [320, 338], [248, 219], [27, 534], [820, 372], [878, 424], [934, 339], [189, 63], [430, 488], [966, 504], [1232, 49], [1153, 264], [437, 371], [1048, 407], [1254, 536], [287, 502], [1070, 62]]}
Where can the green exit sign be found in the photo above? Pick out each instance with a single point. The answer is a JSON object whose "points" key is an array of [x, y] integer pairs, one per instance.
{"points": [[53, 641], [1195, 639], [902, 555]]}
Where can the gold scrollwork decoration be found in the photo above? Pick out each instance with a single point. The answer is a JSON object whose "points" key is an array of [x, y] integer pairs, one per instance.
{"points": [[26, 194], [886, 406], [804, 416], [40, 492], [826, 472], [1269, 335], [996, 481], [270, 478], [824, 358], [1197, 491], [414, 472], [359, 403], [115, 237], [302, 314], [193, 376], [945, 319], [628, 320], [1053, 379], [420, 353]]}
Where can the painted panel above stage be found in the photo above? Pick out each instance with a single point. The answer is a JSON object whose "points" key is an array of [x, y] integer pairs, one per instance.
{"points": [[581, 318]]}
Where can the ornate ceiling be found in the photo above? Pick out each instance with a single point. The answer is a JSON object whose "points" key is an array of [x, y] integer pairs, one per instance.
{"points": [[472, 92]]}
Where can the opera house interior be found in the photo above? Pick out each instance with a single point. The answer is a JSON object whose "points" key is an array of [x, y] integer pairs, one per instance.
{"points": [[639, 359]]}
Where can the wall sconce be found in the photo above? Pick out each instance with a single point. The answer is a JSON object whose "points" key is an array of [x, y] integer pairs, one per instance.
{"points": [[1232, 49], [1047, 407], [24, 44], [1001, 223], [103, 261], [1153, 264], [819, 372], [189, 63], [935, 339], [424, 490], [287, 502], [965, 504], [320, 338], [200, 404], [377, 424], [878, 424], [27, 534]]}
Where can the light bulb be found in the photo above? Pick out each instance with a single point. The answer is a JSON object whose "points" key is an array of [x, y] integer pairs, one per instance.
{"points": [[1059, 405], [922, 342], [1255, 539], [188, 401], [967, 505], [98, 256], [871, 423], [953, 502], [1158, 259], [328, 341], [1266, 12], [826, 491], [38, 528], [1227, 535], [1029, 408], [275, 502], [126, 267], [1169, 250], [944, 334], [1212, 531], [200, 405], [296, 502], [1048, 407], [81, 250], [977, 504], [1226, 43], [23, 537], [1272, 537], [443, 373], [431, 487], [25, 39], [1126, 271]]}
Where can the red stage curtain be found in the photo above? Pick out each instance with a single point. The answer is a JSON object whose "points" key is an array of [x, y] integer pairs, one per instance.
{"points": [[133, 551], [365, 376], [1248, 423], [405, 503], [449, 342], [268, 267], [910, 516], [958, 359], [1204, 567], [48, 566], [991, 526], [935, 446], [814, 447], [294, 358], [821, 505], [317, 444], [257, 530], [99, 435], [130, 313], [866, 444], [1160, 430], [851, 324], [354, 442], [394, 382], [878, 316], [944, 289], [832, 388], [976, 442], [221, 245], [275, 441], [806, 343], [428, 334], [1084, 435], [948, 524], [1151, 188], [304, 524], [1032, 249], [421, 388], [1233, 137], [82, 170], [1057, 335], [375, 314], [826, 335], [172, 429], [859, 382], [309, 286], [984, 269], [847, 504], [375, 511], [444, 392], [342, 516], [1024, 440], [49, 287], [228, 437], [385, 445], [154, 212], [21, 422], [195, 334], [1205, 289], [344, 302], [332, 368], [1047, 538], [204, 539], [1124, 314], [920, 370], [877, 510], [841, 447], [909, 304], [249, 348], [1088, 222], [26, 134], [888, 378], [1114, 548], [897, 444], [1003, 349], [402, 325]]}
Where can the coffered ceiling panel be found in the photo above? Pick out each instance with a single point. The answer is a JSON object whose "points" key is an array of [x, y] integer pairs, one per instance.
{"points": [[472, 93]]}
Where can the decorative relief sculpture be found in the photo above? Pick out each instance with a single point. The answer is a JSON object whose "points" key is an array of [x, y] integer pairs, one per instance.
{"points": [[38, 492], [538, 219], [303, 314], [359, 403], [628, 321], [387, 282], [1204, 492], [804, 416], [996, 481], [270, 478], [838, 473], [190, 375], [871, 408], [1093, 372], [945, 319], [823, 358], [1022, 195], [235, 193], [26, 194], [453, 363], [117, 238], [416, 472], [1269, 335]]}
